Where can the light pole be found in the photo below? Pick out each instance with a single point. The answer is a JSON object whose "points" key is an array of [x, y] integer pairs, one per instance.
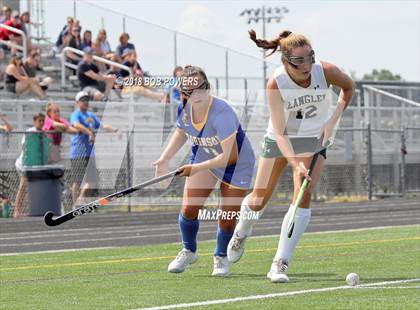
{"points": [[265, 15]]}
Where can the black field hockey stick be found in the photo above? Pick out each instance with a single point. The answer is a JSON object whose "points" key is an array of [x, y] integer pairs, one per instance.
{"points": [[48, 217], [304, 186]]}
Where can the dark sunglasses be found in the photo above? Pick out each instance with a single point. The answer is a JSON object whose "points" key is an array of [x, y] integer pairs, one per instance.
{"points": [[296, 61], [187, 92]]}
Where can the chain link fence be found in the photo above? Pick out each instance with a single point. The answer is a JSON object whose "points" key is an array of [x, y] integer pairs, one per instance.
{"points": [[362, 162]]}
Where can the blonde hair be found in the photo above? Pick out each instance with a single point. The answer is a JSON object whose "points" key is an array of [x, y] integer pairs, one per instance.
{"points": [[49, 108], [285, 42]]}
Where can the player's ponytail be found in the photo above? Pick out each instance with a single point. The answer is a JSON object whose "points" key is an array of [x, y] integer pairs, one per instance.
{"points": [[284, 42], [264, 44]]}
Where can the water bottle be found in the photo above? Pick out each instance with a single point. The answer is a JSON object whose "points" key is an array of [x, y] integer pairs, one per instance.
{"points": [[5, 207]]}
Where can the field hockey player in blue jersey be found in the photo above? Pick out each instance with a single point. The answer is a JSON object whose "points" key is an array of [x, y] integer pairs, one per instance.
{"points": [[220, 154]]}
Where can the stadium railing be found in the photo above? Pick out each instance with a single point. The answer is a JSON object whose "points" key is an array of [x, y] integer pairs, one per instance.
{"points": [[22, 47]]}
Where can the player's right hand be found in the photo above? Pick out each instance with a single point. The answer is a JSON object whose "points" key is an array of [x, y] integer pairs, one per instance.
{"points": [[300, 171]]}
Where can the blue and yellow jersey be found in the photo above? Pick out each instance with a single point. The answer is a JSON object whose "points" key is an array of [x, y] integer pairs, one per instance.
{"points": [[219, 124]]}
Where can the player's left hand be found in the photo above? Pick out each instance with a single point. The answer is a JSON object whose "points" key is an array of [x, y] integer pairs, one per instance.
{"points": [[188, 170]]}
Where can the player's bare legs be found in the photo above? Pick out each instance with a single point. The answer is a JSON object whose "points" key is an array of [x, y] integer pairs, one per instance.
{"points": [[269, 170]]}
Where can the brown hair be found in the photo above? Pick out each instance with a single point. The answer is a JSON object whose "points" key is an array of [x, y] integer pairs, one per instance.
{"points": [[177, 68], [285, 42], [122, 35], [38, 116]]}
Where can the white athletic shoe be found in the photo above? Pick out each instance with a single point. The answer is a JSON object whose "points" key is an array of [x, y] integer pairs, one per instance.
{"points": [[235, 248], [277, 273], [182, 260], [220, 268]]}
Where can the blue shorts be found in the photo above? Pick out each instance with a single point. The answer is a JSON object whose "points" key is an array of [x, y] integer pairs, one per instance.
{"points": [[239, 177]]}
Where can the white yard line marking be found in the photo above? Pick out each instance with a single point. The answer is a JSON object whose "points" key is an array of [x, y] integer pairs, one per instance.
{"points": [[389, 287], [265, 296]]}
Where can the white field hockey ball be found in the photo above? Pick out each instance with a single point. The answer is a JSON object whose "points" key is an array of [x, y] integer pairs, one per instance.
{"points": [[352, 279]]}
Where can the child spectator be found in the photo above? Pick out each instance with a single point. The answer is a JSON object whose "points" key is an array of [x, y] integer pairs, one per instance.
{"points": [[17, 81], [53, 122], [38, 122]]}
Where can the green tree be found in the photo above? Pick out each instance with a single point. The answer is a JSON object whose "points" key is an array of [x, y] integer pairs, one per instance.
{"points": [[382, 75]]}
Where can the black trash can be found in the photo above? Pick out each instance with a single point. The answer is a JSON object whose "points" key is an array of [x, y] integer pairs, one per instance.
{"points": [[44, 189]]}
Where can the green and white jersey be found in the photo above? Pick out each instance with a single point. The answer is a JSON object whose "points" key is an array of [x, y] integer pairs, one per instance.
{"points": [[305, 109]]}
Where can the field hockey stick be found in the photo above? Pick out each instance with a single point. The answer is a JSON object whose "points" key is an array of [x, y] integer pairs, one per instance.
{"points": [[48, 217], [303, 187]]}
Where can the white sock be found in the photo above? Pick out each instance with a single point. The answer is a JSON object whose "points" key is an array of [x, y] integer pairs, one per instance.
{"points": [[245, 224], [286, 246]]}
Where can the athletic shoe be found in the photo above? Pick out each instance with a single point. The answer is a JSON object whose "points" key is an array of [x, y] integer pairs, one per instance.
{"points": [[220, 268], [235, 248], [277, 273], [182, 260]]}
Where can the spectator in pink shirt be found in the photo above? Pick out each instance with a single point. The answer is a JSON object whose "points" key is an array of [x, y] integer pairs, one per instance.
{"points": [[53, 122]]}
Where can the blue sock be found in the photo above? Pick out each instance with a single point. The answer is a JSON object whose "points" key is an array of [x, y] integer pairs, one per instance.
{"points": [[222, 241], [189, 230]]}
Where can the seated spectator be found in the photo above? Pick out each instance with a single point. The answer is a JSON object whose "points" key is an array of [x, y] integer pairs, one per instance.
{"points": [[63, 33], [8, 35], [86, 43], [25, 20], [6, 14], [17, 81], [96, 84], [31, 65], [101, 46], [130, 60], [53, 122], [124, 46], [18, 210], [73, 40]]}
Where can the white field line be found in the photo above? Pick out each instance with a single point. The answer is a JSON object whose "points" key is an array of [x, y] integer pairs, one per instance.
{"points": [[389, 287], [274, 295], [255, 237]]}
